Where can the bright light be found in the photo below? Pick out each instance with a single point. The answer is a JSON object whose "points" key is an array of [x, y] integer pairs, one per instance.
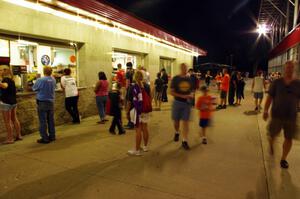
{"points": [[262, 29]]}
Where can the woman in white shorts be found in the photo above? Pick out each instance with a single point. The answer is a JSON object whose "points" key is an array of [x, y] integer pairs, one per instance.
{"points": [[8, 105], [140, 113]]}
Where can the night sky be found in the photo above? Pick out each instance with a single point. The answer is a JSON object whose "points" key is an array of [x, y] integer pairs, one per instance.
{"points": [[222, 27]]}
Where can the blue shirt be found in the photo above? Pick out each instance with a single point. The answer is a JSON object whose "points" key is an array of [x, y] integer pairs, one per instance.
{"points": [[45, 88]]}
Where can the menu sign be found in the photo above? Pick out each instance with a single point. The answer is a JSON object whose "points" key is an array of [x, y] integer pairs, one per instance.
{"points": [[18, 70]]}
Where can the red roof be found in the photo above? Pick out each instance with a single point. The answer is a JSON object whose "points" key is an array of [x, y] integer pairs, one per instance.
{"points": [[288, 42], [101, 8]]}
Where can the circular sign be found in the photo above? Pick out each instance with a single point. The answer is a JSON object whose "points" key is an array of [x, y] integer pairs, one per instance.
{"points": [[45, 60], [73, 58]]}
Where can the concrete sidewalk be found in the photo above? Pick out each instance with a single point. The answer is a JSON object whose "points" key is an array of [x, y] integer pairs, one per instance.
{"points": [[88, 162]]}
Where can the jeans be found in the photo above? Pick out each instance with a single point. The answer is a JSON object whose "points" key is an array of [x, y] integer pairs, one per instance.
{"points": [[71, 104], [101, 104], [46, 119]]}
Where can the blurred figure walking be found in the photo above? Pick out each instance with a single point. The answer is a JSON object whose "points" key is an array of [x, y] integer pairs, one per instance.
{"points": [[181, 89], [284, 95]]}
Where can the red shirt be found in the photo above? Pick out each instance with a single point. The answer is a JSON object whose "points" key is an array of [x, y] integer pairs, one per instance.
{"points": [[204, 105], [121, 78], [225, 83]]}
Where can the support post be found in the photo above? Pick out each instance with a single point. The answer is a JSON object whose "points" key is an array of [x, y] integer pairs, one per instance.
{"points": [[296, 12], [287, 19]]}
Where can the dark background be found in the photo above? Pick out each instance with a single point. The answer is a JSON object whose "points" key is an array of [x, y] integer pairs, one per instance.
{"points": [[225, 28]]}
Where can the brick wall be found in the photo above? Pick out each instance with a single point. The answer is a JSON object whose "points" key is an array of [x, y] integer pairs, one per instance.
{"points": [[28, 117]]}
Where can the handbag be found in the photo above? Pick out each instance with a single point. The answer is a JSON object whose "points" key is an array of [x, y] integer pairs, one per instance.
{"points": [[146, 103]]}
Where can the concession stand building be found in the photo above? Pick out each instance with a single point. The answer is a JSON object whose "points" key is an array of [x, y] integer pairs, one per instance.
{"points": [[87, 36]]}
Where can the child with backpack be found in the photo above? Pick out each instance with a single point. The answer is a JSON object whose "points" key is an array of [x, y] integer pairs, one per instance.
{"points": [[114, 109], [140, 113], [205, 107]]}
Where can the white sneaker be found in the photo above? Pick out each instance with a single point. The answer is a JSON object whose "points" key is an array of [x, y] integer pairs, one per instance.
{"points": [[134, 152], [145, 149]]}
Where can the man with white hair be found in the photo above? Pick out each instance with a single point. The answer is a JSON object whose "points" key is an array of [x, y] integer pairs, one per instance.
{"points": [[284, 95]]}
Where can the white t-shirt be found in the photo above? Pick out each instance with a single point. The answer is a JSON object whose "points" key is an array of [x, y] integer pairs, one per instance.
{"points": [[69, 83], [258, 84]]}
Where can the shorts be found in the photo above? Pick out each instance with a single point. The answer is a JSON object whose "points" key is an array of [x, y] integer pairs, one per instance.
{"points": [[204, 123], [181, 111], [289, 128], [223, 95], [7, 107], [259, 95], [144, 118]]}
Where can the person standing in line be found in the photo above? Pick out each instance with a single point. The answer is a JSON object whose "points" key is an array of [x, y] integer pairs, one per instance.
{"points": [[240, 85], [208, 78], [165, 78], [158, 89], [128, 96], [101, 91], [284, 95], [224, 89], [146, 76], [116, 103], [205, 106], [232, 88], [68, 84], [219, 80], [181, 89], [121, 80], [8, 105], [258, 87], [45, 88], [140, 114]]}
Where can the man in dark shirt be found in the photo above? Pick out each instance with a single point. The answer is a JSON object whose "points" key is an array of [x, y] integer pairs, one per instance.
{"points": [[181, 89], [232, 88], [284, 95]]}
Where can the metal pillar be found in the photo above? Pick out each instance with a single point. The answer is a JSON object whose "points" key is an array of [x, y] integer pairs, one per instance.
{"points": [[287, 19], [296, 12]]}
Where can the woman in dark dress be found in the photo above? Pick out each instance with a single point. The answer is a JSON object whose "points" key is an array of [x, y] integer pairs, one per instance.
{"points": [[8, 105]]}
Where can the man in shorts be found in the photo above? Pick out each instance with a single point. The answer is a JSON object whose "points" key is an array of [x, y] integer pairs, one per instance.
{"points": [[258, 87], [284, 95], [224, 89], [181, 89]]}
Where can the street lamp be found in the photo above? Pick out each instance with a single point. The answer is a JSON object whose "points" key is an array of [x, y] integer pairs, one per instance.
{"points": [[262, 29]]}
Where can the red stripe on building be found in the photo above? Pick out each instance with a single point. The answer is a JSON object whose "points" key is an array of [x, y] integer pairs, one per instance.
{"points": [[288, 42], [103, 9]]}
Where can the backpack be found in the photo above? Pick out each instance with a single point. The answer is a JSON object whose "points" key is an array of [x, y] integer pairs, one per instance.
{"points": [[146, 103]]}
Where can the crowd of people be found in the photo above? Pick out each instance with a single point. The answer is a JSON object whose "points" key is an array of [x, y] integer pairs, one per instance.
{"points": [[132, 92]]}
